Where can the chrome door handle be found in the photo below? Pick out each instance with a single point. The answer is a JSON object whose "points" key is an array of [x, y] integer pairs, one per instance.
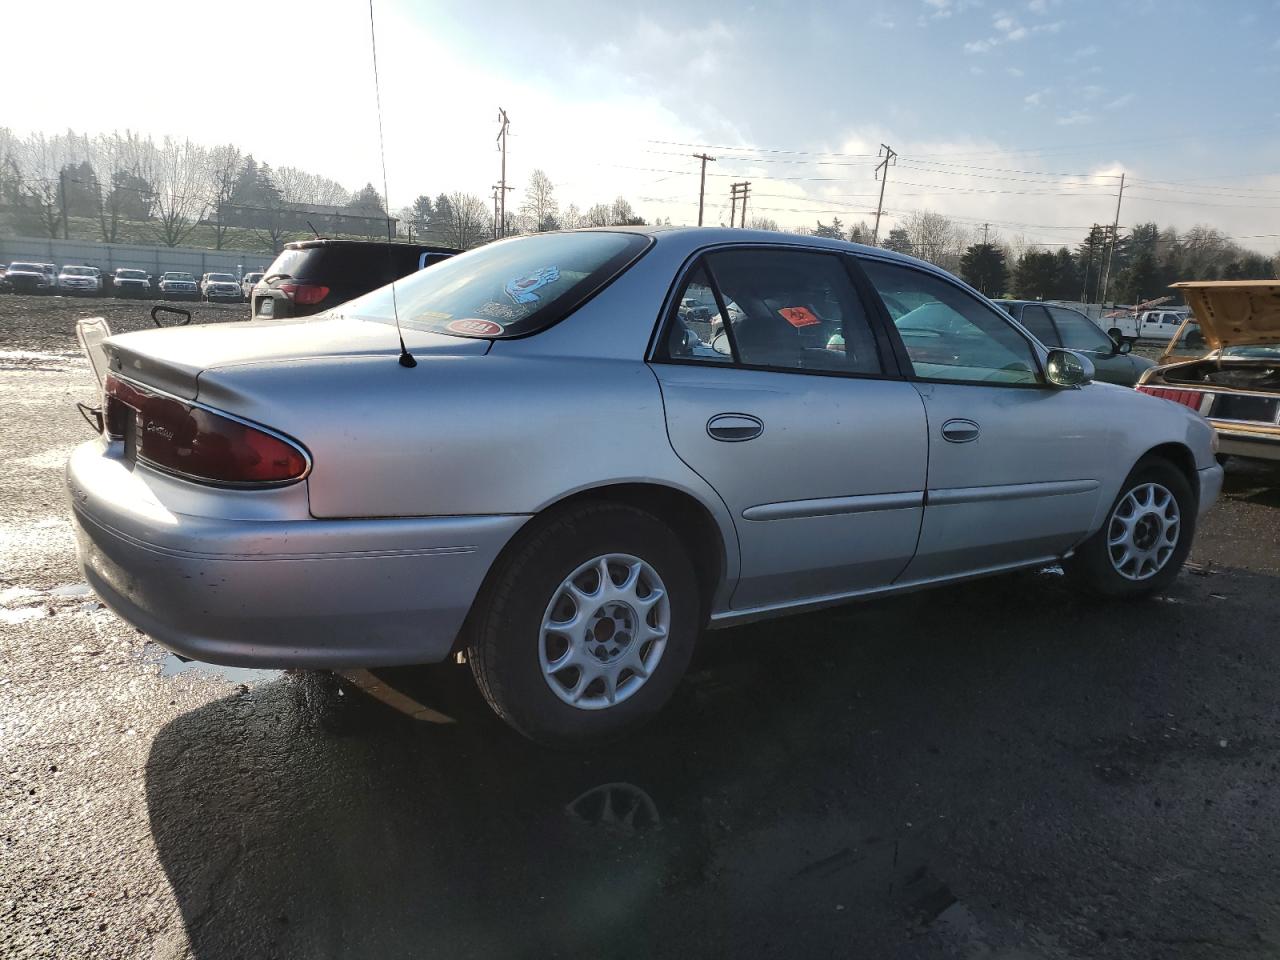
{"points": [[734, 427], [960, 431]]}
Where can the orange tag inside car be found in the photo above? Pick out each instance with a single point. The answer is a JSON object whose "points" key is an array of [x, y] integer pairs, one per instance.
{"points": [[799, 316]]}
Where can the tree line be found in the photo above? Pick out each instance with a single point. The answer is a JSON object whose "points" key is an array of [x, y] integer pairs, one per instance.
{"points": [[1139, 265], [175, 186]]}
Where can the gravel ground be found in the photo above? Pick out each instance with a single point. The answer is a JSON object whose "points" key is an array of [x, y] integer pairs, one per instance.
{"points": [[996, 770]]}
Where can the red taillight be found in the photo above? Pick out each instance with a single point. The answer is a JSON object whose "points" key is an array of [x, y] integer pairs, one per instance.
{"points": [[1188, 398], [300, 291], [196, 442]]}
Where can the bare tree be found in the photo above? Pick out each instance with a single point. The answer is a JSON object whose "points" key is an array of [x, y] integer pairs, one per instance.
{"points": [[40, 160], [224, 165], [599, 216], [762, 223], [572, 218], [934, 237], [540, 205], [181, 180], [466, 221]]}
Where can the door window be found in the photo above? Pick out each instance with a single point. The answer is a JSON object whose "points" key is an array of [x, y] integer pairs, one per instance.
{"points": [[695, 331], [1079, 332], [776, 309], [949, 334], [1036, 319]]}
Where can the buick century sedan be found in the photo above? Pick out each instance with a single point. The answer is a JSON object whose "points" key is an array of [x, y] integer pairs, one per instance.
{"points": [[528, 457]]}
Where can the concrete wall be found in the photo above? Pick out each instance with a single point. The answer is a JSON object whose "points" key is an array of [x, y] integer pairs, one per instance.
{"points": [[155, 260]]}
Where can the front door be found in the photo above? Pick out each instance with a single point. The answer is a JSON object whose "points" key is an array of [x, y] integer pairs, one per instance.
{"points": [[776, 392], [1013, 478]]}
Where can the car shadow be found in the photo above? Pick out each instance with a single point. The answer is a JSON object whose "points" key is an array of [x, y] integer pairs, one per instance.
{"points": [[898, 778], [1253, 481]]}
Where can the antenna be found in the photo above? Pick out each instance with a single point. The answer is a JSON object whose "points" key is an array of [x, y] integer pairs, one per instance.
{"points": [[406, 358], [317, 232]]}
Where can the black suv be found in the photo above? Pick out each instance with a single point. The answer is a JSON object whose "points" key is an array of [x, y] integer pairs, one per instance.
{"points": [[314, 275]]}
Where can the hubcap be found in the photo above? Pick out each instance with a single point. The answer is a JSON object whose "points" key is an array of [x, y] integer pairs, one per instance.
{"points": [[604, 631], [1143, 531]]}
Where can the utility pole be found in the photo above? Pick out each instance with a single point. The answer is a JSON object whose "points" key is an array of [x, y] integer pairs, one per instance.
{"points": [[985, 228], [503, 125], [738, 191], [702, 184], [495, 211], [882, 174], [1115, 237], [62, 199]]}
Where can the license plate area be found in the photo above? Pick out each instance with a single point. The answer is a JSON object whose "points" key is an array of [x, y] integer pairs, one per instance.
{"points": [[1254, 409]]}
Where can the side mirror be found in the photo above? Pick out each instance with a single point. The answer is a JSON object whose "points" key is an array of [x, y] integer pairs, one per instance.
{"points": [[1120, 346], [720, 344], [1065, 368]]}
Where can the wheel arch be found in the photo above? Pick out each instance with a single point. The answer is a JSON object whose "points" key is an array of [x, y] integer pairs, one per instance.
{"points": [[1180, 455], [690, 519]]}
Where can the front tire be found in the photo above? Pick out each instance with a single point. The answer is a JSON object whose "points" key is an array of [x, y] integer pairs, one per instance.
{"points": [[587, 625], [1145, 538]]}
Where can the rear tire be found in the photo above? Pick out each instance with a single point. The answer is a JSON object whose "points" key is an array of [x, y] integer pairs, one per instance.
{"points": [[547, 604], [1145, 538]]}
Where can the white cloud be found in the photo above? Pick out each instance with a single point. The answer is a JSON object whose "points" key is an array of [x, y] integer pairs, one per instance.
{"points": [[1118, 102], [978, 46], [1074, 118], [1083, 53], [1014, 71], [977, 71], [1036, 99], [882, 21], [1009, 30], [1038, 6], [1092, 91]]}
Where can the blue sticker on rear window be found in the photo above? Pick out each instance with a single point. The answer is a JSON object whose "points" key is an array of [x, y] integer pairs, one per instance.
{"points": [[521, 289]]}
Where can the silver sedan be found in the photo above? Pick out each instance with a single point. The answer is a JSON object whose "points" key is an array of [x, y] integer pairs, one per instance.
{"points": [[563, 456]]}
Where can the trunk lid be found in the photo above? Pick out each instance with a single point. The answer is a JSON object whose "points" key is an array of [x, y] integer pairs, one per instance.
{"points": [[1235, 313], [173, 358]]}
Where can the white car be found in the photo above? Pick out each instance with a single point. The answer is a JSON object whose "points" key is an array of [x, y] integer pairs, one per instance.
{"points": [[80, 280], [221, 286], [248, 282]]}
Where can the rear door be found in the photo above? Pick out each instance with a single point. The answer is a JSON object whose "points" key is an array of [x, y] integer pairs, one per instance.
{"points": [[1014, 464], [789, 404]]}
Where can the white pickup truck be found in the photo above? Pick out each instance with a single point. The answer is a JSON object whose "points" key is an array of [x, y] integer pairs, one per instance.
{"points": [[1152, 325]]}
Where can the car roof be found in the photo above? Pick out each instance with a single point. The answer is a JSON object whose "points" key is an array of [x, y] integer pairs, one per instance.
{"points": [[696, 237], [326, 242]]}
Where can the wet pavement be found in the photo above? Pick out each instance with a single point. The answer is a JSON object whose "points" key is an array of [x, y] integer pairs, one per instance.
{"points": [[995, 770]]}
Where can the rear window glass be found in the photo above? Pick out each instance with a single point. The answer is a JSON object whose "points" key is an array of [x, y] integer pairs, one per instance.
{"points": [[357, 266], [505, 289]]}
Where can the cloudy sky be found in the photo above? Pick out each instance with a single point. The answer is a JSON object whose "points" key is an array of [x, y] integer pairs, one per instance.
{"points": [[1019, 114]]}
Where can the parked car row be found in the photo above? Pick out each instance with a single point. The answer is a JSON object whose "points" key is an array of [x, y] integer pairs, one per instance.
{"points": [[33, 277]]}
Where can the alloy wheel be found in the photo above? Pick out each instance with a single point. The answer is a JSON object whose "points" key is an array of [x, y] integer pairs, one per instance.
{"points": [[604, 631], [1143, 531]]}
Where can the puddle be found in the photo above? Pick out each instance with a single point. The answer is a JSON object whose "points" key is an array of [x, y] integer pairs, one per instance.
{"points": [[172, 665], [23, 614], [71, 590]]}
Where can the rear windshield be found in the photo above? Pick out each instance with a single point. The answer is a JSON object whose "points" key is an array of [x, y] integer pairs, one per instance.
{"points": [[357, 267], [505, 289]]}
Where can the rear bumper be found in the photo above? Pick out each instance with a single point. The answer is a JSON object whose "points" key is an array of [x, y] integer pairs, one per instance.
{"points": [[1210, 487], [1263, 444], [277, 593]]}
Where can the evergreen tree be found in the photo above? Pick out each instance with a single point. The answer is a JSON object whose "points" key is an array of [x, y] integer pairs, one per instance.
{"points": [[983, 266], [898, 241]]}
